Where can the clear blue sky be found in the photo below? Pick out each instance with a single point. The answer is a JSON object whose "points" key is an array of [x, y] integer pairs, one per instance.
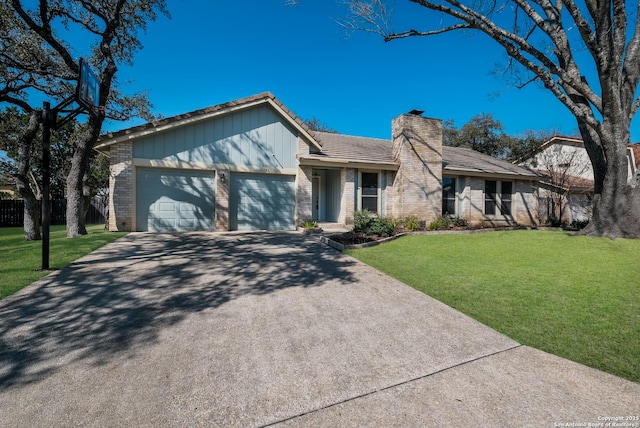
{"points": [[212, 52]]}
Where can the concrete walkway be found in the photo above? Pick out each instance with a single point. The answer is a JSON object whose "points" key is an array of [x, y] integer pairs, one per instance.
{"points": [[269, 329]]}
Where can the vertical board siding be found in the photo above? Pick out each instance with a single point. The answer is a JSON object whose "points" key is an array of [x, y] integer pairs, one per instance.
{"points": [[262, 202], [256, 137], [334, 195]]}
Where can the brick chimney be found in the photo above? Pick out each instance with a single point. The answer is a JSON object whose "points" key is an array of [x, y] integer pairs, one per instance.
{"points": [[417, 187]]}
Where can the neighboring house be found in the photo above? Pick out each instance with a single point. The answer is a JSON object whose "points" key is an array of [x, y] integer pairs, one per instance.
{"points": [[566, 191], [251, 164], [633, 159]]}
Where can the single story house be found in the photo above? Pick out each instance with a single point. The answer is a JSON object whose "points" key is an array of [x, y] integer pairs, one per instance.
{"points": [[251, 164]]}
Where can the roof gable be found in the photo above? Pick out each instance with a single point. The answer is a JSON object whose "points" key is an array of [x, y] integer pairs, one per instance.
{"points": [[207, 113]]}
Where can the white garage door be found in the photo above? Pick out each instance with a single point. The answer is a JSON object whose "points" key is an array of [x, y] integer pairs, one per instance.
{"points": [[174, 200], [262, 202]]}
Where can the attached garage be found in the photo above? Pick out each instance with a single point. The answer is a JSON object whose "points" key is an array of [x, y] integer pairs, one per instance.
{"points": [[169, 200], [262, 202]]}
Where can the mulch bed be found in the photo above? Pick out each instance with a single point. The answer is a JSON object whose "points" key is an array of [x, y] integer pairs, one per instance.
{"points": [[353, 238]]}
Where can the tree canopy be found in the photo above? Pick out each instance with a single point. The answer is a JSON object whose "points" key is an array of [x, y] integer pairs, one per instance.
{"points": [[39, 46], [12, 123], [485, 134], [316, 124]]}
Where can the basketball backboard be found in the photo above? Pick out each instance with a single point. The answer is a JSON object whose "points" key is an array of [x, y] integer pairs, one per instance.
{"points": [[88, 91]]}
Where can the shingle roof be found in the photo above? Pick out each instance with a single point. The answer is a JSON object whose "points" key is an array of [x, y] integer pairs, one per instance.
{"points": [[376, 150], [462, 159], [338, 146]]}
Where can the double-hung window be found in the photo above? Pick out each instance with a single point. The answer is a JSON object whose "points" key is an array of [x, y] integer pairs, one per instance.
{"points": [[369, 195], [498, 197], [505, 197], [490, 197]]}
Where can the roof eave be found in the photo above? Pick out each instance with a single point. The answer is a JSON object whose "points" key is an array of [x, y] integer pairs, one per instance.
{"points": [[341, 163], [495, 174]]}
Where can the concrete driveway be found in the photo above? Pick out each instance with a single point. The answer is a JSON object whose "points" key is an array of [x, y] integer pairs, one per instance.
{"points": [[268, 329]]}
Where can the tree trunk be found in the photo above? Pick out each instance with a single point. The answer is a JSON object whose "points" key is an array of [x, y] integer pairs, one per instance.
{"points": [[80, 163], [75, 198], [86, 195], [616, 202], [31, 204]]}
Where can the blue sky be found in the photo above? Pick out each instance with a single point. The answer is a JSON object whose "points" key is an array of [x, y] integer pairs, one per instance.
{"points": [[212, 52]]}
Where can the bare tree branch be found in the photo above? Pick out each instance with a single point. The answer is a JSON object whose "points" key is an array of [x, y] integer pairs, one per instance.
{"points": [[411, 33]]}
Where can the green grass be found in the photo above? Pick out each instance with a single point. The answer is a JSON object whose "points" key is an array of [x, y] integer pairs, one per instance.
{"points": [[573, 296], [21, 260]]}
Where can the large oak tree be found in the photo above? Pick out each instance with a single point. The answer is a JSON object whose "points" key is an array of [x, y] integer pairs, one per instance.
{"points": [[41, 40], [557, 43]]}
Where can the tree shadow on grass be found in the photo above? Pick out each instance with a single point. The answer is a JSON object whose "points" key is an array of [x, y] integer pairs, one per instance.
{"points": [[121, 296]]}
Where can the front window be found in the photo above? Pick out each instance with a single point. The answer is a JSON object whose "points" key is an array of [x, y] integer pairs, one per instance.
{"points": [[448, 196], [369, 191], [498, 197], [505, 197], [490, 197]]}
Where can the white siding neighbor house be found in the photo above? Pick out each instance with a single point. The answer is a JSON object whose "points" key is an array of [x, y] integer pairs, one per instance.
{"points": [[566, 189]]}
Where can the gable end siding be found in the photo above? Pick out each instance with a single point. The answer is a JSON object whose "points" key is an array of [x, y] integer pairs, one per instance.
{"points": [[255, 137]]}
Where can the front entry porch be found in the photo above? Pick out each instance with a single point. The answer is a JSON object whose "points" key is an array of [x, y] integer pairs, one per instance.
{"points": [[326, 195]]}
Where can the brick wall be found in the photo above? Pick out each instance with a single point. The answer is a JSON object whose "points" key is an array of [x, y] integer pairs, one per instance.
{"points": [[526, 203], [347, 203], [121, 190], [475, 213], [303, 193], [391, 195], [417, 187], [222, 200], [303, 147]]}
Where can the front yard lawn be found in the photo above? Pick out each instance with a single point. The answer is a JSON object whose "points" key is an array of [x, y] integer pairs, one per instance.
{"points": [[572, 296], [20, 260]]}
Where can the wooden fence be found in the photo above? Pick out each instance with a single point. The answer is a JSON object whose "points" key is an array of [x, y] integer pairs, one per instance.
{"points": [[12, 212]]}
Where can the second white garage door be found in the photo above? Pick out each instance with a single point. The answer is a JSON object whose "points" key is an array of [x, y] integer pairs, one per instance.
{"points": [[262, 202]]}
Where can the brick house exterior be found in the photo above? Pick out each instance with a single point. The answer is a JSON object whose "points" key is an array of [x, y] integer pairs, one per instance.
{"points": [[252, 164]]}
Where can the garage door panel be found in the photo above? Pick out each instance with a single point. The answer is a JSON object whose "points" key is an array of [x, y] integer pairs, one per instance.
{"points": [[166, 206], [186, 207], [262, 201], [185, 223], [174, 200], [158, 224]]}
